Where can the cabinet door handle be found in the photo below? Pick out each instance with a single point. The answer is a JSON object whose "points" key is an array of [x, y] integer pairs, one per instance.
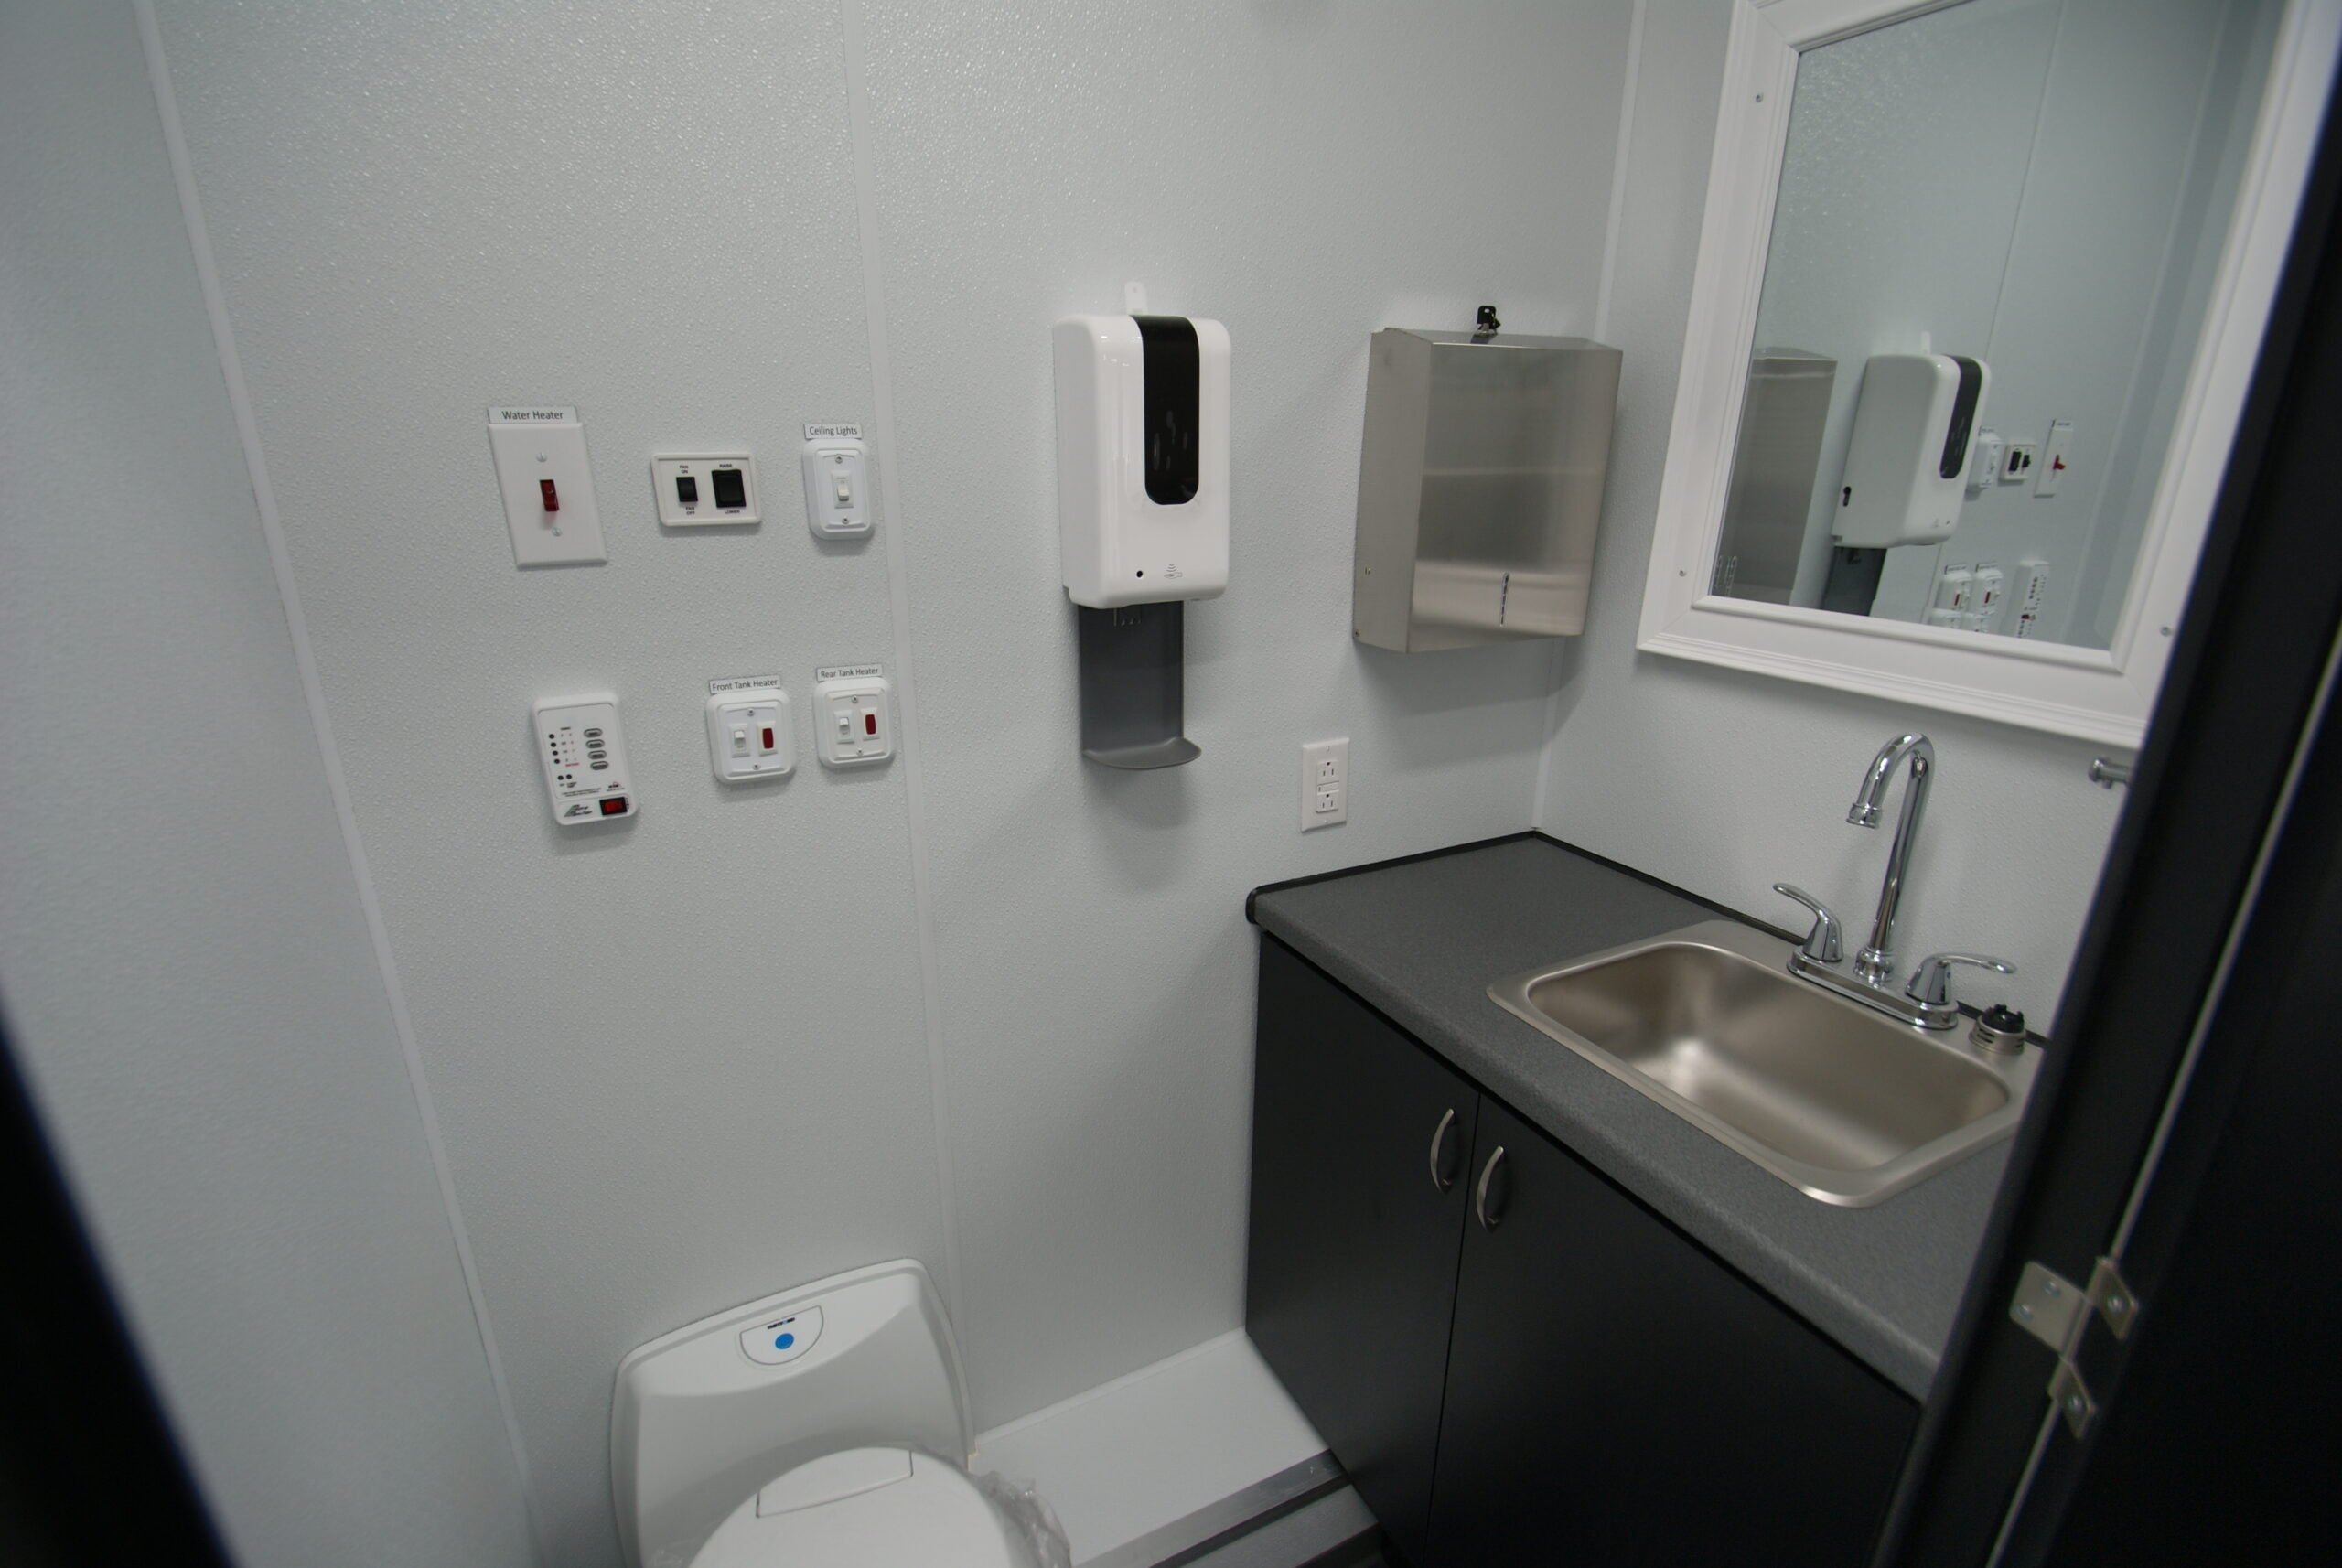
{"points": [[1489, 1218], [1442, 1180]]}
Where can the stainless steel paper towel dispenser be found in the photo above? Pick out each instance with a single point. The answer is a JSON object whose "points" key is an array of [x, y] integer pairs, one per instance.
{"points": [[1479, 487]]}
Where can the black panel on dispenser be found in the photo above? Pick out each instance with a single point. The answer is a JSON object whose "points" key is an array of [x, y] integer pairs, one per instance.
{"points": [[1174, 375]]}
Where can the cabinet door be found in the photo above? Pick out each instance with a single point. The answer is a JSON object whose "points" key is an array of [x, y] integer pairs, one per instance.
{"points": [[1616, 1396], [1354, 1242]]}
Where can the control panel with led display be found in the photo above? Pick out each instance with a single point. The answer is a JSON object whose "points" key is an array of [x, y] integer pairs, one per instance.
{"points": [[583, 755]]}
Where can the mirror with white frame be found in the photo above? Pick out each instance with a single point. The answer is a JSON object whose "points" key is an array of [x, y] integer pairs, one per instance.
{"points": [[1980, 288]]}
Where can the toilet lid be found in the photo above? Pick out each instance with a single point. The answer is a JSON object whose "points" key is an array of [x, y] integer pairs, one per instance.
{"points": [[865, 1507]]}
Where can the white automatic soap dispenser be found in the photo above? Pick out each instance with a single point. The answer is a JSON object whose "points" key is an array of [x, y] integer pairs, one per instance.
{"points": [[1142, 407], [1907, 463], [1142, 458]]}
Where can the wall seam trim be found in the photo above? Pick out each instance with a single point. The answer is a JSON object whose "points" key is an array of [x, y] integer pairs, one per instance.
{"points": [[280, 557], [898, 599], [1631, 70]]}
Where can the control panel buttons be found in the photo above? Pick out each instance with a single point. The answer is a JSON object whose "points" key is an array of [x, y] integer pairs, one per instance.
{"points": [[584, 757], [782, 1339]]}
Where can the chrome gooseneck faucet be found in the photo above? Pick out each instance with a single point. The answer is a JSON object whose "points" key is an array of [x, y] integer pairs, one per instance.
{"points": [[1876, 963], [1926, 1003]]}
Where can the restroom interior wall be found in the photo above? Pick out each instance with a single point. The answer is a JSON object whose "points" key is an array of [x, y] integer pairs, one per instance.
{"points": [[186, 966], [988, 1006]]}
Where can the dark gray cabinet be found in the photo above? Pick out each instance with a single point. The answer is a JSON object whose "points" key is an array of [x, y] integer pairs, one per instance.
{"points": [[1527, 1364], [1354, 1236]]}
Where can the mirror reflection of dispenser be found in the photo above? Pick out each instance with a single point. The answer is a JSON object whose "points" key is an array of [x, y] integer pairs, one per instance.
{"points": [[1907, 464], [1143, 444]]}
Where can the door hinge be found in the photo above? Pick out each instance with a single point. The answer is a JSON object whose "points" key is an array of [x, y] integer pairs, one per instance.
{"points": [[2049, 1307]]}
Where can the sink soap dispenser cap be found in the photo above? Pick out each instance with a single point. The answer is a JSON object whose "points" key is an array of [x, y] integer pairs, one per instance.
{"points": [[2001, 1031]]}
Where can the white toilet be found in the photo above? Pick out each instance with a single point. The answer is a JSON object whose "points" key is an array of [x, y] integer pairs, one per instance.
{"points": [[819, 1428]]}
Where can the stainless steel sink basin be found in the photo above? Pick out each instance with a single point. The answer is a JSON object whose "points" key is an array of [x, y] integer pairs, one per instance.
{"points": [[1841, 1103]]}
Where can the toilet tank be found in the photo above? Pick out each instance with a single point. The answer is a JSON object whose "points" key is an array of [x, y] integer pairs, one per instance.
{"points": [[705, 1415]]}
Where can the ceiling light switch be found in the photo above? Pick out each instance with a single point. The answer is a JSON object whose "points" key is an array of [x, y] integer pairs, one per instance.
{"points": [[837, 487]]}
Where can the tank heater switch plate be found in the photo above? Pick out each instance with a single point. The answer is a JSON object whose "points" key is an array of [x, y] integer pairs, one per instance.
{"points": [[748, 736], [853, 721]]}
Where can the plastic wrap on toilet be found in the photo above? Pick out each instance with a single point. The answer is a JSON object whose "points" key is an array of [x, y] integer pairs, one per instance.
{"points": [[1029, 1517]]}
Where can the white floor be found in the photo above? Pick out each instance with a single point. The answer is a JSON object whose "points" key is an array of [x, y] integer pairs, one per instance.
{"points": [[1132, 1455]]}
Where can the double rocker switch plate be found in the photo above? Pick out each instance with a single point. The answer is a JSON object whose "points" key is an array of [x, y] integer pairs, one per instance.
{"points": [[698, 491]]}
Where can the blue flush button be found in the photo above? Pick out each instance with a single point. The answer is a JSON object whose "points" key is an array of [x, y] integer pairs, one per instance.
{"points": [[771, 1341]]}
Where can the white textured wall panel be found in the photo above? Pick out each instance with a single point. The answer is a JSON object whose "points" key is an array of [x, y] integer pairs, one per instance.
{"points": [[1304, 174], [680, 1062], [184, 957]]}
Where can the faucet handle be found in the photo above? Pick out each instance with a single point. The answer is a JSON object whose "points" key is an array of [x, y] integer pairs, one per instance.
{"points": [[1821, 944], [1930, 984]]}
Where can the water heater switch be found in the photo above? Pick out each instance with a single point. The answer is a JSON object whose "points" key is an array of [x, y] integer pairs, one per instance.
{"points": [[853, 721], [547, 485]]}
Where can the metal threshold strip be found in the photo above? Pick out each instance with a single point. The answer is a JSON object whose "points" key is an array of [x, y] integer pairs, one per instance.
{"points": [[1265, 1502]]}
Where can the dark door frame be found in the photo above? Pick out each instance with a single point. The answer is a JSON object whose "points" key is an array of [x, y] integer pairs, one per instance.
{"points": [[2212, 939], [89, 1472]]}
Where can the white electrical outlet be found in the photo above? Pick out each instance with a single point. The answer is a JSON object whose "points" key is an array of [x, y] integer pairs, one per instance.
{"points": [[1324, 783], [2016, 462]]}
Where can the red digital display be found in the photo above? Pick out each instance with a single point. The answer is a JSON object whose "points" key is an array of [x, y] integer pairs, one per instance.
{"points": [[613, 806]]}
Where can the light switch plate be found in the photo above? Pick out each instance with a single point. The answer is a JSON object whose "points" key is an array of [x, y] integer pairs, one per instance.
{"points": [[2052, 471], [534, 449], [748, 736], [693, 489], [853, 721], [583, 755], [1324, 783], [837, 488]]}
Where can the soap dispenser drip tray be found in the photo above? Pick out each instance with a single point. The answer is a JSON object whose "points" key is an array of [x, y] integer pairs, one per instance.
{"points": [[1132, 686]]}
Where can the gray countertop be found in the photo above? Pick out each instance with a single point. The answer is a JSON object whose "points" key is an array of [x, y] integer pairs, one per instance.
{"points": [[1421, 940]]}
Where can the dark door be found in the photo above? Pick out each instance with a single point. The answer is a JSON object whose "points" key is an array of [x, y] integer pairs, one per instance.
{"points": [[1616, 1396], [1353, 1238]]}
